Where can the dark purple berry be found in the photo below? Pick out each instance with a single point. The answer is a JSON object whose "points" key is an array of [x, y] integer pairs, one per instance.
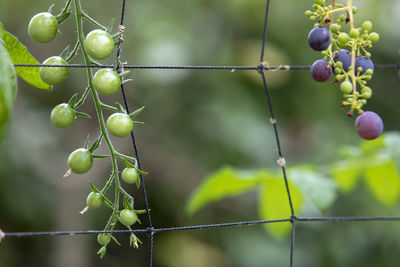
{"points": [[319, 38], [343, 56], [365, 63], [320, 71], [369, 125]]}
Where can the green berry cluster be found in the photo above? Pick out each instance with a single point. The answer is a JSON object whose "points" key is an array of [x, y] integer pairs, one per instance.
{"points": [[347, 53], [98, 44]]}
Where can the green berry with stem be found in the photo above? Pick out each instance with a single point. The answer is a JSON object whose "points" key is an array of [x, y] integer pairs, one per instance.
{"points": [[127, 217], [62, 115], [94, 200], [129, 175], [346, 87], [103, 239], [373, 37], [343, 38], [119, 124], [354, 33], [366, 26], [366, 92]]}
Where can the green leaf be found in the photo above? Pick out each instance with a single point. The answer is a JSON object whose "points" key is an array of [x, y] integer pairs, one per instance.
{"points": [[225, 182], [383, 181], [8, 88], [136, 112], [371, 146], [347, 175], [19, 55], [392, 141], [316, 187], [274, 204], [94, 188], [110, 25]]}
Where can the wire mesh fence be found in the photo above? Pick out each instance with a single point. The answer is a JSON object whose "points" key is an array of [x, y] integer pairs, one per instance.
{"points": [[261, 68]]}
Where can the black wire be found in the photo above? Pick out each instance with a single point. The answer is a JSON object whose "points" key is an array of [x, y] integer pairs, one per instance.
{"points": [[292, 240], [132, 133], [201, 67], [264, 41], [119, 70], [208, 226]]}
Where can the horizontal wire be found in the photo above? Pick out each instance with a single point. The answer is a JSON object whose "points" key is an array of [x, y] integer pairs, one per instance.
{"points": [[205, 226], [346, 219], [200, 67]]}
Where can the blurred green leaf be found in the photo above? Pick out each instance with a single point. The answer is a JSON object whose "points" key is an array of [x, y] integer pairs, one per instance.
{"points": [[383, 181], [226, 182], [372, 146], [274, 204], [20, 55], [392, 141], [346, 175], [8, 88], [316, 187]]}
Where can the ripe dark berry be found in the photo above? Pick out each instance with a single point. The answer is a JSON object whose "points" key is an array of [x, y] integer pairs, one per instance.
{"points": [[364, 63], [319, 38], [343, 56], [320, 71], [369, 125]]}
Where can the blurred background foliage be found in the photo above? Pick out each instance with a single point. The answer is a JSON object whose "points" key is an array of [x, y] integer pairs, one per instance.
{"points": [[196, 122]]}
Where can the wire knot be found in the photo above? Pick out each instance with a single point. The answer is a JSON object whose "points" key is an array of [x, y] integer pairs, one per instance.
{"points": [[293, 219], [2, 235], [282, 162]]}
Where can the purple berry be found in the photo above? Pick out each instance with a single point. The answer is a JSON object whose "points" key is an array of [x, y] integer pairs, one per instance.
{"points": [[365, 63], [319, 38], [320, 71], [369, 125], [343, 56]]}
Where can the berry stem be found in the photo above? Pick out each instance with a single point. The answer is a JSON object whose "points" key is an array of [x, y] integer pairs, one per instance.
{"points": [[353, 48], [80, 14]]}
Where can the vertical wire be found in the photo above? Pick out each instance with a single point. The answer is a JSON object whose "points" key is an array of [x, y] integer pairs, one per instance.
{"points": [[264, 41], [281, 160], [271, 110], [292, 240], [135, 145], [132, 133], [151, 248]]}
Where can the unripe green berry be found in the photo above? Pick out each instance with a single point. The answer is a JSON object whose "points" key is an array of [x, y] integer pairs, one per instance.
{"points": [[308, 13], [363, 101], [369, 72], [312, 18], [337, 70], [367, 26], [350, 100], [94, 200], [367, 77], [335, 27], [103, 239], [366, 92], [320, 2], [129, 175], [354, 10], [346, 87], [373, 37], [354, 33], [342, 18], [343, 38]]}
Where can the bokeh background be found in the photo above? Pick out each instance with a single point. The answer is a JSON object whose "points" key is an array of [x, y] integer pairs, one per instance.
{"points": [[196, 122]]}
